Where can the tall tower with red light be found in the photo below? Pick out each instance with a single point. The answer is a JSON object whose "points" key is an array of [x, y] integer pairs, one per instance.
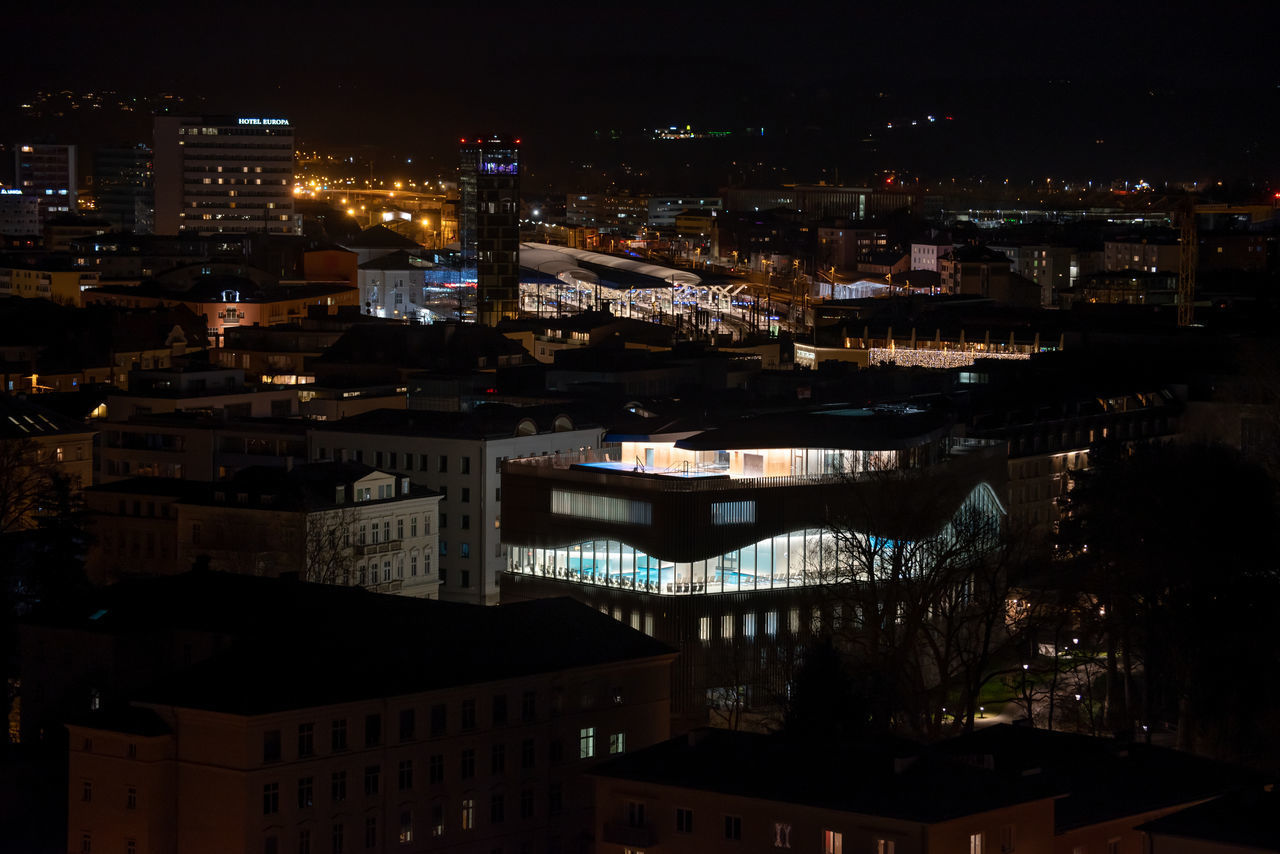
{"points": [[489, 223]]}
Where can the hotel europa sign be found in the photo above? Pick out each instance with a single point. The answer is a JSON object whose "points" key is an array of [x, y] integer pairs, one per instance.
{"points": [[263, 121]]}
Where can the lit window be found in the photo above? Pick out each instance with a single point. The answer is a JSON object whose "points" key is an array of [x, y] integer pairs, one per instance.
{"points": [[781, 835], [832, 842], [884, 846], [468, 814], [975, 843], [586, 742]]}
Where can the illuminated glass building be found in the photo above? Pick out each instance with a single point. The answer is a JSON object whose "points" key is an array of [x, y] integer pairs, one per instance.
{"points": [[223, 174], [722, 542], [489, 223]]}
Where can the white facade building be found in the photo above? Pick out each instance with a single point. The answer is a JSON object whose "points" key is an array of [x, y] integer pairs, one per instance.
{"points": [[459, 455], [392, 286], [925, 254]]}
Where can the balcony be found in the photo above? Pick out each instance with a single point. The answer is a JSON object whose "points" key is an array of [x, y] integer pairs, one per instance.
{"points": [[379, 548], [621, 833]]}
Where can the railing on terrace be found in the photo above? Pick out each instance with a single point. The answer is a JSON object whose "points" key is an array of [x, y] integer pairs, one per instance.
{"points": [[560, 466]]}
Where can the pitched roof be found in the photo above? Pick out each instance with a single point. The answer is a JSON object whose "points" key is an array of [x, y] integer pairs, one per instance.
{"points": [[401, 259], [379, 237], [1106, 779], [1246, 818], [888, 779], [387, 646], [22, 419]]}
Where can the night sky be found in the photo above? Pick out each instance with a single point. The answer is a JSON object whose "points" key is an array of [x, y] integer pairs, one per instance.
{"points": [[1178, 93]]}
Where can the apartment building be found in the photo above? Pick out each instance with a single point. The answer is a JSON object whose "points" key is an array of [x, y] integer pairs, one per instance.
{"points": [[449, 728], [460, 456]]}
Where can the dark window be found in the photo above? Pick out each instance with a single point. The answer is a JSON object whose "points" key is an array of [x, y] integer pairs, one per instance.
{"points": [[270, 798], [527, 754], [435, 769], [444, 464], [371, 832], [306, 739], [306, 792], [466, 465], [468, 764], [498, 759], [422, 462], [439, 719], [338, 735], [338, 787], [271, 745], [556, 753], [468, 714], [733, 827], [371, 774], [528, 707], [372, 730], [497, 809], [684, 820], [526, 803], [466, 496], [555, 799], [407, 724], [406, 774], [499, 709]]}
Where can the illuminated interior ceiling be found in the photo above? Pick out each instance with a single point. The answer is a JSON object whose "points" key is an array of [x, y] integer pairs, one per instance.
{"points": [[591, 267]]}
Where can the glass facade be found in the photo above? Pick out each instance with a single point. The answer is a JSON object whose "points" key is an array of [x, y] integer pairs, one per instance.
{"points": [[798, 558]]}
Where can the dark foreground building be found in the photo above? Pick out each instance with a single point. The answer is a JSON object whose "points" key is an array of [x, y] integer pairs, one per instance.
{"points": [[326, 719]]}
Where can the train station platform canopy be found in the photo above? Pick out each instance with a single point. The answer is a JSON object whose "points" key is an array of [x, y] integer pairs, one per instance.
{"points": [[581, 266]]}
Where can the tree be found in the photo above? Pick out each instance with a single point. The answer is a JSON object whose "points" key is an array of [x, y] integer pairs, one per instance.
{"points": [[28, 481], [1176, 544], [918, 571], [329, 553]]}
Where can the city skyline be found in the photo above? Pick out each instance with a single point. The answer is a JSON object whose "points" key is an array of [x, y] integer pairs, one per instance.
{"points": [[1029, 92]]}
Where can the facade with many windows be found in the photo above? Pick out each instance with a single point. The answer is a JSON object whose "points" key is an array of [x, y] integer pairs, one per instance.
{"points": [[333, 523], [223, 174], [409, 749], [459, 456]]}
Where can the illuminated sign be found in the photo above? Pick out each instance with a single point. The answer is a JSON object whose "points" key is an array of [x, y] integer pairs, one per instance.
{"points": [[263, 121], [492, 168]]}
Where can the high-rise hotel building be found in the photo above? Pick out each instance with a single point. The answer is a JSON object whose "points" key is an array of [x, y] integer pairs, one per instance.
{"points": [[489, 223], [223, 174]]}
